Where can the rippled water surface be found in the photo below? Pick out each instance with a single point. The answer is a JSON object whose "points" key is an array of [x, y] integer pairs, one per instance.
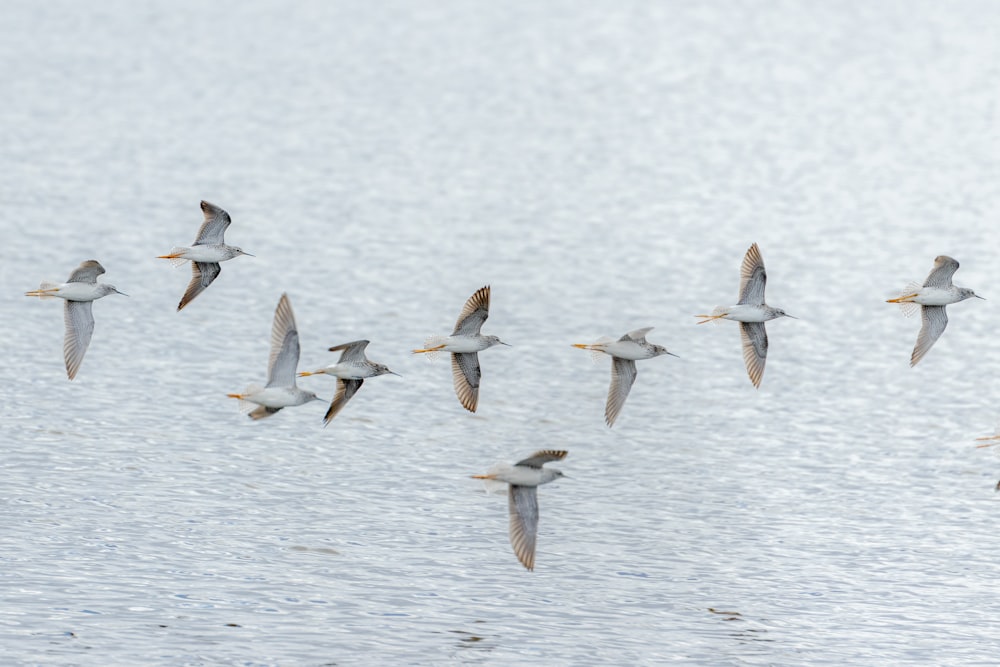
{"points": [[604, 166]]}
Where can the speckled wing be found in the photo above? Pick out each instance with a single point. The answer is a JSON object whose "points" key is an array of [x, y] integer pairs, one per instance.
{"points": [[352, 352], [522, 502], [284, 360], [935, 319], [638, 336], [213, 230], [87, 272], [345, 391], [202, 275], [623, 374], [754, 338], [940, 276], [466, 373], [753, 278], [79, 319], [540, 458], [475, 312]]}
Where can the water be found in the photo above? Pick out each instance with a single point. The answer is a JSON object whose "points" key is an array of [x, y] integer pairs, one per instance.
{"points": [[385, 161]]}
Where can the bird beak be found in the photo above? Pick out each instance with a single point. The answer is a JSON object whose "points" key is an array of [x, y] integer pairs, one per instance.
{"points": [[247, 254], [791, 316], [507, 344], [317, 398], [979, 297], [395, 373], [124, 294], [674, 355]]}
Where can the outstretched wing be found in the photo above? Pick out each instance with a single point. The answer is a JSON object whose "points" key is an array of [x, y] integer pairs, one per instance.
{"points": [[541, 457], [87, 272], [623, 374], [754, 337], [753, 278], [202, 275], [935, 319], [345, 391], [213, 230], [522, 502], [353, 352], [79, 319], [475, 312], [638, 336], [466, 373], [284, 359], [940, 276]]}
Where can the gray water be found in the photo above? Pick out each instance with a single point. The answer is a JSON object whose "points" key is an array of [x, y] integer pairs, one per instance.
{"points": [[604, 166]]}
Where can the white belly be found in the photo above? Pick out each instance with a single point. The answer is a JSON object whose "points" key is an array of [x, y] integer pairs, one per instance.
{"points": [[626, 349], [212, 254], [522, 476], [935, 296], [276, 397], [80, 291], [464, 344], [746, 313], [348, 371]]}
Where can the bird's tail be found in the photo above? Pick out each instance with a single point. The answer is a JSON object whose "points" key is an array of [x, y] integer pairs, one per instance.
{"points": [[44, 291], [245, 406], [174, 256], [597, 355]]}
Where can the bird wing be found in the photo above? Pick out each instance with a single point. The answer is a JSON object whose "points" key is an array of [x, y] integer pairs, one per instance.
{"points": [[352, 352], [540, 458], [623, 374], [213, 230], [284, 358], [935, 319], [466, 373], [940, 276], [638, 336], [261, 412], [475, 312], [79, 319], [523, 506], [753, 278], [87, 272], [202, 275], [754, 337], [345, 391]]}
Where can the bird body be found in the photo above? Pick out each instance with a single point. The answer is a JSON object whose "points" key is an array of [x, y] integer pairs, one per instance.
{"points": [[746, 312], [462, 343], [214, 253], [936, 296], [350, 370]]}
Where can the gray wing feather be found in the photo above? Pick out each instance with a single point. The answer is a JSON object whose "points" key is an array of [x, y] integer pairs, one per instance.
{"points": [[540, 458], [523, 506], [284, 359], [474, 313], [940, 276], [754, 337], [79, 319], [466, 373], [753, 278], [935, 319], [352, 352], [87, 272], [261, 412], [345, 391], [623, 374], [213, 230], [638, 336], [202, 275]]}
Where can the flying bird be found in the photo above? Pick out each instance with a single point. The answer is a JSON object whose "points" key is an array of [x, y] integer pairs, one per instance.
{"points": [[280, 391], [522, 500], [751, 312], [465, 343], [208, 250], [80, 291], [350, 370], [624, 353], [932, 297]]}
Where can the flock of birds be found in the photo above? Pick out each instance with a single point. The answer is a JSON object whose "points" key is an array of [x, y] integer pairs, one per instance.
{"points": [[353, 367]]}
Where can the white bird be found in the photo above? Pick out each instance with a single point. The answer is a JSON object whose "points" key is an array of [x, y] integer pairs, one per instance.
{"points": [[80, 291], [751, 312], [350, 370], [624, 352], [522, 500], [208, 250], [465, 343], [280, 391], [932, 297]]}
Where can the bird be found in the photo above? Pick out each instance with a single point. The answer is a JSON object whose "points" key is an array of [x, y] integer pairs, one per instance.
{"points": [[522, 501], [280, 391], [208, 250], [350, 370], [80, 291], [751, 312], [932, 297], [624, 353], [465, 343]]}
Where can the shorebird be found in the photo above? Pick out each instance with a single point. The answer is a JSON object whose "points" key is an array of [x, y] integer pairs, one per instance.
{"points": [[350, 370], [80, 291], [280, 391], [624, 353], [205, 254], [932, 297], [465, 343], [751, 312], [522, 501]]}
